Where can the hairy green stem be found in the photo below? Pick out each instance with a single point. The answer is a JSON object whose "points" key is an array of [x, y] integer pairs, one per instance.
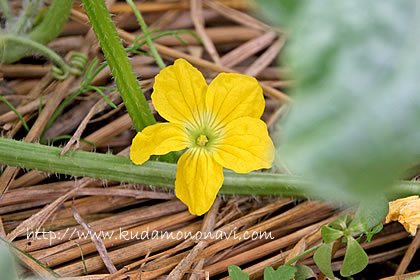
{"points": [[38, 47], [118, 62], [46, 31], [146, 33], [121, 69], [160, 174], [65, 137]]}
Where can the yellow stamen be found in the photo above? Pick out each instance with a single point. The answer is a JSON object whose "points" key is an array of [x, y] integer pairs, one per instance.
{"points": [[202, 140]]}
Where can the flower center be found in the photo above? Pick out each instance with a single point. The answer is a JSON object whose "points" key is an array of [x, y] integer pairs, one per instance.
{"points": [[202, 140]]}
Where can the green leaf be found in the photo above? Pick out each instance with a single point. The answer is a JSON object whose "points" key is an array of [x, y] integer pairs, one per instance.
{"points": [[330, 234], [236, 273], [303, 272], [359, 226], [322, 258], [340, 223], [355, 259], [359, 238], [373, 211], [7, 264], [280, 12], [4, 243], [353, 126], [283, 272], [373, 231]]}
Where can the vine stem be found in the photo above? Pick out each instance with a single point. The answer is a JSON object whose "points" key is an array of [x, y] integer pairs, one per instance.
{"points": [[159, 174], [47, 30], [38, 47], [118, 62], [146, 33], [121, 69]]}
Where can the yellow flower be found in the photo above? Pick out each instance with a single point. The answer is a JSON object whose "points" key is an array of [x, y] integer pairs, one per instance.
{"points": [[219, 125], [406, 211]]}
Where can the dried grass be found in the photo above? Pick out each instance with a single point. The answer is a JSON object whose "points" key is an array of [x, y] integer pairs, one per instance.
{"points": [[234, 41]]}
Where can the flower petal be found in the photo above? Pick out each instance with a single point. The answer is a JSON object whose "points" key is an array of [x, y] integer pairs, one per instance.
{"points": [[246, 146], [179, 93], [157, 139], [406, 211], [198, 179], [231, 96]]}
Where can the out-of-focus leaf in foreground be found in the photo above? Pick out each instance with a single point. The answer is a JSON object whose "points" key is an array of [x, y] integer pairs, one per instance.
{"points": [[7, 264], [355, 122]]}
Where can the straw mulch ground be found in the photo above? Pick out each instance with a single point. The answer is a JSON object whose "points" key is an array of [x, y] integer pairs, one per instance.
{"points": [[233, 39]]}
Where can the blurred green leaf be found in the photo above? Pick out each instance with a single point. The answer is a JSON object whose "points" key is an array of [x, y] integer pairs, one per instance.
{"points": [[280, 11], [353, 127], [355, 259], [7, 265], [322, 258], [283, 272], [235, 273]]}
